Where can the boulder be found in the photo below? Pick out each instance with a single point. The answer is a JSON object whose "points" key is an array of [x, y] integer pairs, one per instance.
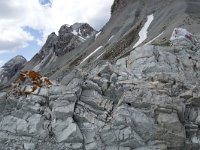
{"points": [[29, 146], [67, 131]]}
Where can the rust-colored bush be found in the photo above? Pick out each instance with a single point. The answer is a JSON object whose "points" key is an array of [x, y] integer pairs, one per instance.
{"points": [[36, 79]]}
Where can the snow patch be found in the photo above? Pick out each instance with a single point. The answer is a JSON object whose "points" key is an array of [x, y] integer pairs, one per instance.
{"points": [[67, 25], [91, 54], [79, 31], [53, 59], [81, 38], [75, 32], [195, 140], [111, 38], [143, 31], [97, 34], [88, 36], [100, 55], [154, 39]]}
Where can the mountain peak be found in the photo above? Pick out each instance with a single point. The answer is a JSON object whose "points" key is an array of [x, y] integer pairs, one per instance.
{"points": [[83, 29], [19, 59], [65, 29], [69, 37], [10, 69]]}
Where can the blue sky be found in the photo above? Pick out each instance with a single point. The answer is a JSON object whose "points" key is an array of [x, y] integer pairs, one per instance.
{"points": [[25, 24], [44, 2]]}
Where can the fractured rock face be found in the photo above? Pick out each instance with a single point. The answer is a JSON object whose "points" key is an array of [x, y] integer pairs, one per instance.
{"points": [[146, 100], [33, 126]]}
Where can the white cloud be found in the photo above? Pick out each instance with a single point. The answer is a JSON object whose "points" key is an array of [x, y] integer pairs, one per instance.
{"points": [[13, 38], [15, 14]]}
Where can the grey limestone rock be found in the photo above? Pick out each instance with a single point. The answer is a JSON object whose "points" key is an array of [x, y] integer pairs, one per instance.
{"points": [[29, 146], [143, 98]]}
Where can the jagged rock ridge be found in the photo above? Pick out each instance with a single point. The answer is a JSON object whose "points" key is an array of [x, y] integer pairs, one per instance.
{"points": [[69, 38]]}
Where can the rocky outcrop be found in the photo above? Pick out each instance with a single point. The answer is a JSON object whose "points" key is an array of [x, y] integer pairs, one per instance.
{"points": [[83, 29], [146, 100], [9, 69], [41, 117], [142, 97], [71, 37]]}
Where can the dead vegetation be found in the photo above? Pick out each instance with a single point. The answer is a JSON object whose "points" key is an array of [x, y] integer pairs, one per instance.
{"points": [[35, 79]]}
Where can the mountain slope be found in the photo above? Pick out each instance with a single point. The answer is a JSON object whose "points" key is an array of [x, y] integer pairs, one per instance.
{"points": [[116, 90], [69, 38], [120, 34]]}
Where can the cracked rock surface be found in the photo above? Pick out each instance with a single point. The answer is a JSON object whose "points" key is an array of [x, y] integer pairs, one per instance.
{"points": [[147, 100]]}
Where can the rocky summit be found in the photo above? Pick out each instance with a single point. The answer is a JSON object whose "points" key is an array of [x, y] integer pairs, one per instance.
{"points": [[10, 70], [134, 85]]}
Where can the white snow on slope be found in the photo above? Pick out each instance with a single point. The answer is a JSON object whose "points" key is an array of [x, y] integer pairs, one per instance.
{"points": [[99, 56], [97, 34], [82, 39], [91, 54], [154, 39], [111, 38], [75, 32], [143, 31], [79, 31]]}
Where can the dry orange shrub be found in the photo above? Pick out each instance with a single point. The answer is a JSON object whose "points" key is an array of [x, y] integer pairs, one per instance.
{"points": [[37, 80]]}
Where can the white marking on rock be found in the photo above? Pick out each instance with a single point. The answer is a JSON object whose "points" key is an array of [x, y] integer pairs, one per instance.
{"points": [[143, 32], [91, 54]]}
